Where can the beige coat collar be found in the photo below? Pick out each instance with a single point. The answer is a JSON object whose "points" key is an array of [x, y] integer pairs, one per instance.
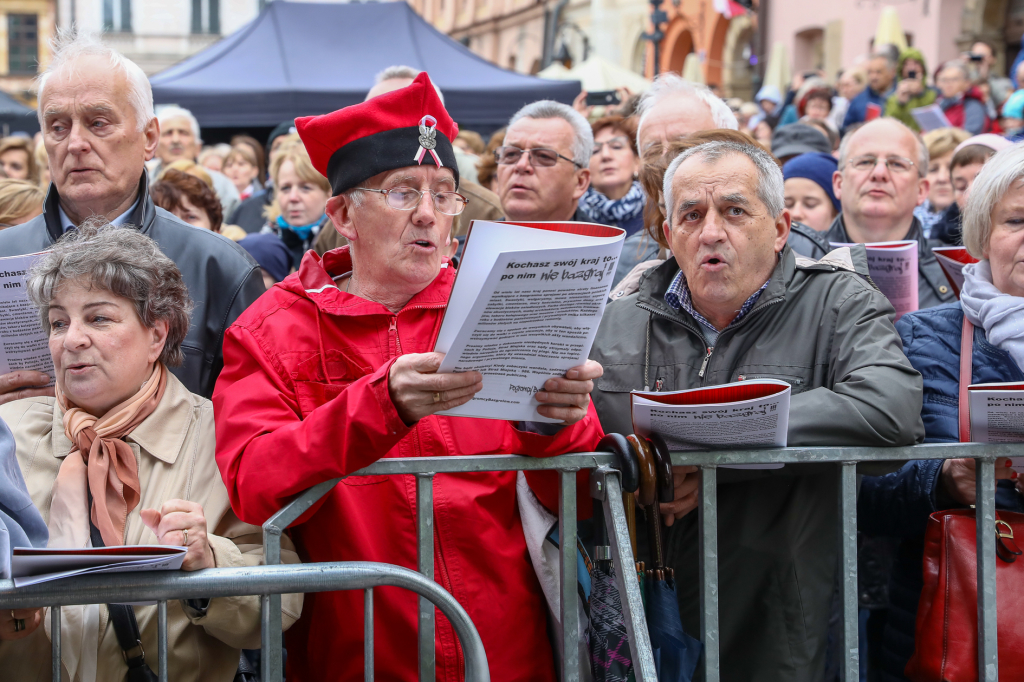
{"points": [[152, 435]]}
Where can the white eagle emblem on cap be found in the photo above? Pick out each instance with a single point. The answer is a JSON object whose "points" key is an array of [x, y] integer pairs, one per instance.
{"points": [[428, 140]]}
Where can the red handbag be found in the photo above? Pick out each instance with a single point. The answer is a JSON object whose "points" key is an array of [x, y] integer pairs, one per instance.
{"points": [[946, 637]]}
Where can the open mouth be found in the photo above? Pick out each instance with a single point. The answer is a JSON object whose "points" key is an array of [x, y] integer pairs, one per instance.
{"points": [[712, 262], [424, 244]]}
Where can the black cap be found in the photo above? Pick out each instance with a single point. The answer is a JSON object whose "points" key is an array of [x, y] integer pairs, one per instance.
{"points": [[799, 138]]}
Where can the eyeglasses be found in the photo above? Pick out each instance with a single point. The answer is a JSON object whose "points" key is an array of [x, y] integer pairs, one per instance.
{"points": [[539, 156], [407, 198], [895, 164], [616, 144]]}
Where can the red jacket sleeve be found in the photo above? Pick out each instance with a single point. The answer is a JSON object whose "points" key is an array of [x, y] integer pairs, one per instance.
{"points": [[268, 453]]}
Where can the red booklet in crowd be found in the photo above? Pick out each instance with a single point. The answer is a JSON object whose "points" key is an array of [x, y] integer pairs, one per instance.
{"points": [[952, 259]]}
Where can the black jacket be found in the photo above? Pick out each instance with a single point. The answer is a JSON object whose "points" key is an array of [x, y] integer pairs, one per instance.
{"points": [[249, 214], [222, 278], [948, 229], [932, 286]]}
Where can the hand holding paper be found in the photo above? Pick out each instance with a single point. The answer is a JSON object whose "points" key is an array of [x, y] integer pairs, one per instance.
{"points": [[566, 398], [181, 523], [418, 391]]}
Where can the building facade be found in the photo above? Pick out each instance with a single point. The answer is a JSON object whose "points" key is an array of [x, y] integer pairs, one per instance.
{"points": [[839, 33], [26, 27]]}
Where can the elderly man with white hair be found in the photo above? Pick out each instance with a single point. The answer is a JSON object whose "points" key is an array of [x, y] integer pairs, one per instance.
{"points": [[180, 138], [736, 303], [99, 129]]}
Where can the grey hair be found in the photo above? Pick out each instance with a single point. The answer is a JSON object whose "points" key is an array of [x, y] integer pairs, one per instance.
{"points": [[69, 45], [173, 111], [402, 71], [669, 84], [1001, 172], [396, 71], [959, 65], [890, 53], [923, 159], [770, 184], [124, 262], [583, 135]]}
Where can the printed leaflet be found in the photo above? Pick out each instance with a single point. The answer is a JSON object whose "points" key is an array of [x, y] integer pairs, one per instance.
{"points": [[23, 345], [893, 268], [997, 415], [525, 307], [742, 414]]}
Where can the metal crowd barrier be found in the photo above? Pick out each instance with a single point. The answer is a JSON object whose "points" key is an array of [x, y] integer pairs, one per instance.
{"points": [[273, 580]]}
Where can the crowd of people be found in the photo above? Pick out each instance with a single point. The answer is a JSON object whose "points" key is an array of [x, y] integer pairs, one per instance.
{"points": [[233, 324]]}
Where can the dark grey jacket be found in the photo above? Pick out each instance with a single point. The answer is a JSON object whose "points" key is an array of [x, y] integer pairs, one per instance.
{"points": [[829, 334], [222, 278], [932, 286]]}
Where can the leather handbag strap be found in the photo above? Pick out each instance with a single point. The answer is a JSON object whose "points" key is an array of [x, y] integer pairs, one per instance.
{"points": [[966, 374], [126, 628]]}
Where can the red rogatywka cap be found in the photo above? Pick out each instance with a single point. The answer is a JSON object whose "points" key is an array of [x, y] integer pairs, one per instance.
{"points": [[404, 127]]}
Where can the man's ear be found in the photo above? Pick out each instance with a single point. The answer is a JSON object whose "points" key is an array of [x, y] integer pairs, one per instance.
{"points": [[837, 185], [152, 133], [782, 225], [924, 184], [666, 229], [582, 183], [339, 210]]}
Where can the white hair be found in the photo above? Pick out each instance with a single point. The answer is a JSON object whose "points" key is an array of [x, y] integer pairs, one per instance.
{"points": [[396, 71], [770, 184], [1000, 173], [69, 45], [671, 84], [173, 111], [583, 135]]}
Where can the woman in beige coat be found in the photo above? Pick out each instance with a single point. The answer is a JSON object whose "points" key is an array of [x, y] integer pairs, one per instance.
{"points": [[125, 453]]}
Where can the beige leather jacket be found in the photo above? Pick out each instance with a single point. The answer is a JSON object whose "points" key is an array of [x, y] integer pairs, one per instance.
{"points": [[174, 447]]}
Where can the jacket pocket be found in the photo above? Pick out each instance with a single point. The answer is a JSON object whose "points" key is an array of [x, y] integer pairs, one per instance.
{"points": [[312, 394]]}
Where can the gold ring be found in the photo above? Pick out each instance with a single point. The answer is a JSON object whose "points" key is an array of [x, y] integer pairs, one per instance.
{"points": [[437, 397], [185, 533]]}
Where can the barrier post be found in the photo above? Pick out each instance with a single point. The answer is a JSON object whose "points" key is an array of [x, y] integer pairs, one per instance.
{"points": [[850, 671], [985, 515], [425, 564], [569, 597], [709, 571]]}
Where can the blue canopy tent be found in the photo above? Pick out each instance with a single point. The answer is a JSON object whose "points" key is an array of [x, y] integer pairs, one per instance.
{"points": [[298, 59], [16, 117]]}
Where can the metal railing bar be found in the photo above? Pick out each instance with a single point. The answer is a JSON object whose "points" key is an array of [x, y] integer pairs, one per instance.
{"points": [[837, 454], [55, 661], [161, 638], [223, 582], [425, 564], [606, 486], [985, 514], [569, 597], [850, 637], [271, 627], [708, 563], [368, 634]]}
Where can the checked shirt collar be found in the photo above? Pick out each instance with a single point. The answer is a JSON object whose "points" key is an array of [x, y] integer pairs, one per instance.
{"points": [[678, 296]]}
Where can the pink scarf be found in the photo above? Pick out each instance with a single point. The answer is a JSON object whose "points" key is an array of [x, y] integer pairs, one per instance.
{"points": [[102, 458]]}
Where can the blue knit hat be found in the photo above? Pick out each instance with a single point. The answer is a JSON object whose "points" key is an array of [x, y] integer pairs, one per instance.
{"points": [[817, 168]]}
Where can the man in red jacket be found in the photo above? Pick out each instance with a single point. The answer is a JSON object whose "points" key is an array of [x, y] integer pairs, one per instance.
{"points": [[332, 370]]}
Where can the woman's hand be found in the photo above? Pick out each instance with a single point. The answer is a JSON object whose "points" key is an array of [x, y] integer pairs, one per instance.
{"points": [[182, 524], [907, 88], [685, 481], [417, 390], [567, 398], [958, 478], [19, 623]]}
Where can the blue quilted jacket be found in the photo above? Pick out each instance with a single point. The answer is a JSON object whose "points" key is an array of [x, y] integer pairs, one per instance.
{"points": [[898, 504]]}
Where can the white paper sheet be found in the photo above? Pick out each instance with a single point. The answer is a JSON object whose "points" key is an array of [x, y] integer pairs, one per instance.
{"points": [[521, 316], [893, 268], [30, 566], [930, 117], [23, 345], [997, 415], [718, 417]]}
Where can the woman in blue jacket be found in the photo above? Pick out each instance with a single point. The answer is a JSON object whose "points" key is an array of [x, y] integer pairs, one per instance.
{"points": [[899, 504]]}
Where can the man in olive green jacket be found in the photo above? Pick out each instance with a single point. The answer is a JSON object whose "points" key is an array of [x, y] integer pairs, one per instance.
{"points": [[736, 303]]}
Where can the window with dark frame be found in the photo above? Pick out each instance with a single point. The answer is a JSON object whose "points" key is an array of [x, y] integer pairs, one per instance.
{"points": [[206, 16], [22, 44], [117, 15]]}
